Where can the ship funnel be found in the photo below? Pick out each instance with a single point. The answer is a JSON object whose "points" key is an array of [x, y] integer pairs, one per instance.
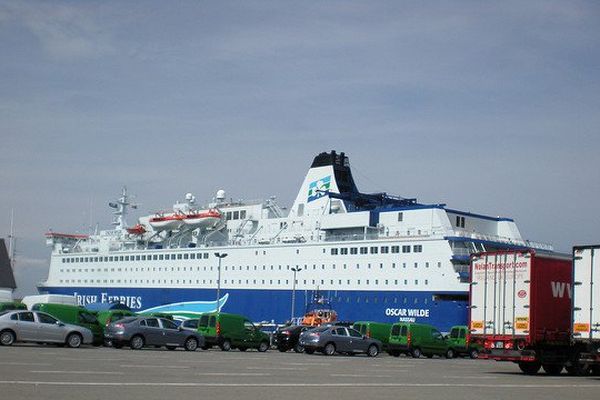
{"points": [[329, 172]]}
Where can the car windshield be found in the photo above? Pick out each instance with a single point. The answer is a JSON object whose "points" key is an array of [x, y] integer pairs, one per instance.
{"points": [[126, 320], [3, 312], [454, 333], [203, 321]]}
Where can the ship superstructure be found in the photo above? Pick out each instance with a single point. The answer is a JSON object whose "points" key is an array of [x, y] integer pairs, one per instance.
{"points": [[374, 256]]}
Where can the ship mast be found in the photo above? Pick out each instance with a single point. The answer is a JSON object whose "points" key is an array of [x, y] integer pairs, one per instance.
{"points": [[120, 212], [11, 240]]}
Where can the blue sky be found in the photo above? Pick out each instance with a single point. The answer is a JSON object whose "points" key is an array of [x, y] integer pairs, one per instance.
{"points": [[488, 107]]}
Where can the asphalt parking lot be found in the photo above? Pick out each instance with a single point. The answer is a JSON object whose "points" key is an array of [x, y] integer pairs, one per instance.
{"points": [[49, 372]]}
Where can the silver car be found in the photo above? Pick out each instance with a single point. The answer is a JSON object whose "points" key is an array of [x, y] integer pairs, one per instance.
{"points": [[137, 332], [39, 327], [338, 339]]}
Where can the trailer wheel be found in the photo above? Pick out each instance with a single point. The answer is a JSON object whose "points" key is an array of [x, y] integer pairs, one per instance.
{"points": [[473, 353], [530, 368], [578, 369], [553, 369]]}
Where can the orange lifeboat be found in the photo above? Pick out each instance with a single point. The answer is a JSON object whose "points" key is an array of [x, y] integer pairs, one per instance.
{"points": [[137, 229], [319, 317]]}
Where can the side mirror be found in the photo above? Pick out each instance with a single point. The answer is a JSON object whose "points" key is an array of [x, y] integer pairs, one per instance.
{"points": [[60, 323], [180, 328]]}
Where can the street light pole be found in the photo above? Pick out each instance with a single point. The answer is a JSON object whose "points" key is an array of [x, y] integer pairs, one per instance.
{"points": [[219, 256], [296, 270]]}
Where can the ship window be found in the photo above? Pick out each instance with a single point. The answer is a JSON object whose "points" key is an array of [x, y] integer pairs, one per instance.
{"points": [[305, 281], [381, 265], [137, 258], [111, 258], [385, 249], [322, 266], [403, 265], [344, 251], [205, 255], [395, 249], [324, 251], [185, 256], [418, 248], [416, 265], [120, 258], [393, 265], [64, 260], [426, 265], [364, 250], [400, 217], [334, 252], [406, 249], [161, 257], [193, 256], [228, 215], [426, 281], [367, 281], [358, 281], [439, 265], [374, 250], [236, 215], [339, 282], [369, 265], [243, 214], [95, 259], [87, 259], [179, 256], [416, 281], [353, 250], [333, 266], [406, 281]]}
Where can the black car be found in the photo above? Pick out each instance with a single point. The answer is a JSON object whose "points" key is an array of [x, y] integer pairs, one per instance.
{"points": [[288, 338], [138, 332]]}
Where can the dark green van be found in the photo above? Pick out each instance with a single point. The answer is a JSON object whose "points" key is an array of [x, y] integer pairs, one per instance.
{"points": [[376, 330], [108, 316], [12, 305], [416, 340], [74, 315], [459, 341], [229, 331]]}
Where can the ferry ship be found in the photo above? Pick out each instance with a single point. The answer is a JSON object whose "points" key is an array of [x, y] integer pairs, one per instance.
{"points": [[370, 256]]}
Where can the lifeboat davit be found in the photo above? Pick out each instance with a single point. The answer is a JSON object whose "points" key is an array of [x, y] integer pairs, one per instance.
{"points": [[202, 219], [167, 222], [137, 229]]}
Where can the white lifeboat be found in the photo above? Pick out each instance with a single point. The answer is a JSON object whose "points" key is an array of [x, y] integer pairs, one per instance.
{"points": [[202, 219], [167, 222]]}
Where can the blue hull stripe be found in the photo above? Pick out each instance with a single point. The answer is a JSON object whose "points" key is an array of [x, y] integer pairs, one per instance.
{"points": [[275, 305]]}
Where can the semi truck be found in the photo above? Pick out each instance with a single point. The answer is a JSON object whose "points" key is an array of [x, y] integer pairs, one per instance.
{"points": [[522, 306]]}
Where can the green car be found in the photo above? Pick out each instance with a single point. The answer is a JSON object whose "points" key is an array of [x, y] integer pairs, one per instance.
{"points": [[459, 341], [74, 315], [376, 330], [108, 316], [12, 305], [230, 331], [418, 339]]}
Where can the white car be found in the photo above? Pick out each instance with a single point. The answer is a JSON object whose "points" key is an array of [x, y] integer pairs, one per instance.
{"points": [[39, 327]]}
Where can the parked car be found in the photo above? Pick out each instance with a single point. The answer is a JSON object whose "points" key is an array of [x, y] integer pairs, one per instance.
{"points": [[230, 331], [339, 339], [416, 340], [288, 338], [190, 324], [107, 317], [12, 305], [376, 330], [459, 340], [138, 332], [39, 327], [73, 315]]}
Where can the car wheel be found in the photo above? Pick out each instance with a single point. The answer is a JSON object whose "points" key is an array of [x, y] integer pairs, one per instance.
{"points": [[226, 345], [372, 351], [191, 344], [329, 349], [552, 369], [450, 353], [298, 348], [416, 353], [263, 346], [7, 338], [171, 347], [530, 368], [136, 342], [473, 353], [281, 349], [309, 351], [74, 340]]}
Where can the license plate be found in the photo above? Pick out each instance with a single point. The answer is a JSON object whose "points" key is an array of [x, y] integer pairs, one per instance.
{"points": [[499, 345]]}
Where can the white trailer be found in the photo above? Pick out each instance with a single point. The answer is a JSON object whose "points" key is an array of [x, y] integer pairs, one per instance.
{"points": [[29, 301], [586, 301]]}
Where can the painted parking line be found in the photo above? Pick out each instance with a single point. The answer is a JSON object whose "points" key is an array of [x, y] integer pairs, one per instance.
{"points": [[277, 368], [28, 364], [358, 376], [153, 366], [320, 386], [79, 372], [232, 374]]}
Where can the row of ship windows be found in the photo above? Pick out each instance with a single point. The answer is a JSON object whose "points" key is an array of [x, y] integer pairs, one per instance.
{"points": [[228, 268], [248, 281], [149, 257], [198, 256], [417, 248]]}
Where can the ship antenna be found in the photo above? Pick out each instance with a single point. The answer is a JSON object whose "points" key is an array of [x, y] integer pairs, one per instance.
{"points": [[120, 207], [11, 239]]}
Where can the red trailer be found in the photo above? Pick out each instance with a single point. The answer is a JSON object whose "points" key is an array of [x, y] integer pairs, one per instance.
{"points": [[520, 309]]}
